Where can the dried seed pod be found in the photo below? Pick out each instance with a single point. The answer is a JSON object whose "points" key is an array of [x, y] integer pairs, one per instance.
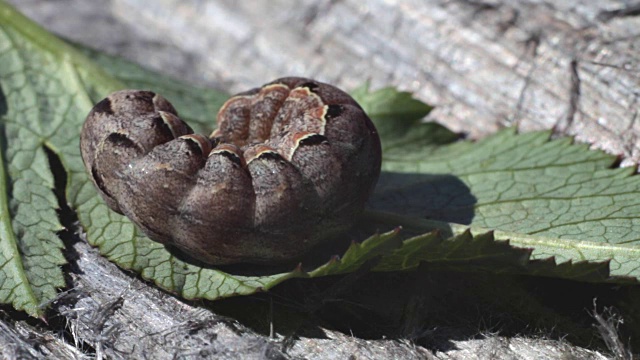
{"points": [[290, 165]]}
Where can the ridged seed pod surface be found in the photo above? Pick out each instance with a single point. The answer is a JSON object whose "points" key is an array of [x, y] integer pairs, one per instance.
{"points": [[290, 165]]}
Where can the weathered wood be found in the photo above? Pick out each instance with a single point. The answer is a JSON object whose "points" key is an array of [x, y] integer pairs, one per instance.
{"points": [[122, 318], [484, 64], [572, 65], [19, 340]]}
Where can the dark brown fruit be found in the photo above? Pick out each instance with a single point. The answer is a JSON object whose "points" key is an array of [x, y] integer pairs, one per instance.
{"points": [[290, 165]]}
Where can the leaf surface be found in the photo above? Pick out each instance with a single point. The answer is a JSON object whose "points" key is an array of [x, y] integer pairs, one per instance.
{"points": [[33, 116], [565, 202]]}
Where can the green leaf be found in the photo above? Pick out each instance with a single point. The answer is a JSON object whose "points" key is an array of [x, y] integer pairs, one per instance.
{"points": [[392, 111], [456, 248], [559, 199], [33, 117], [359, 254], [397, 117]]}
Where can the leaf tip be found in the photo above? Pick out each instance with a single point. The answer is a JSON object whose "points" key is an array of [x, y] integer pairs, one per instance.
{"points": [[617, 161]]}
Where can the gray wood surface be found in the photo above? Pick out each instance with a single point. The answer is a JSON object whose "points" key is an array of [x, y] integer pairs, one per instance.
{"points": [[569, 65]]}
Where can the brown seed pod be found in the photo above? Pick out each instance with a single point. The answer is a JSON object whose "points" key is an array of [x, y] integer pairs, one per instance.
{"points": [[290, 165]]}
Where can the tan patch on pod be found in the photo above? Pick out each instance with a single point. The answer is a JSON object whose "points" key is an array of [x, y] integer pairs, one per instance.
{"points": [[231, 150], [291, 142], [256, 151], [202, 142], [173, 122]]}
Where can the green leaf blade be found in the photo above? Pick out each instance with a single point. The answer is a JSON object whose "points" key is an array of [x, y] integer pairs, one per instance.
{"points": [[15, 286], [557, 198], [358, 254], [33, 248]]}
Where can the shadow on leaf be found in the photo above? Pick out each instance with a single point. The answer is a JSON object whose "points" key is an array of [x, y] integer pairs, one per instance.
{"points": [[436, 197]]}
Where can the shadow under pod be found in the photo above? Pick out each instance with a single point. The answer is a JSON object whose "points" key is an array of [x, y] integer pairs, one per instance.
{"points": [[427, 196]]}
